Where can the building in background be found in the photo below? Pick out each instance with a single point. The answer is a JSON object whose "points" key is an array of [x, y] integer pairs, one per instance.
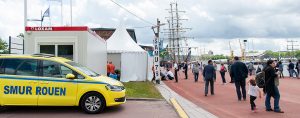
{"points": [[105, 33]]}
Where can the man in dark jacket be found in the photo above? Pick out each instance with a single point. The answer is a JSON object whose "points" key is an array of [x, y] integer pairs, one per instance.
{"points": [[298, 68], [291, 69], [270, 88], [239, 71], [208, 73], [229, 68], [185, 68]]}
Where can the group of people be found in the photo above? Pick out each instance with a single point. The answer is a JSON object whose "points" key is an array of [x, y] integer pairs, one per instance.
{"points": [[239, 73]]}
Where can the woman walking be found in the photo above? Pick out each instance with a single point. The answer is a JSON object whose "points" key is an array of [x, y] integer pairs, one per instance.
{"points": [[223, 70]]}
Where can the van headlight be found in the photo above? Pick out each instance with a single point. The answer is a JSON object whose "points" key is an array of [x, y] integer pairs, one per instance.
{"points": [[114, 88]]}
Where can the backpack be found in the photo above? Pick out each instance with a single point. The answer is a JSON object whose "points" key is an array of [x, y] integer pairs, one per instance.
{"points": [[260, 79]]}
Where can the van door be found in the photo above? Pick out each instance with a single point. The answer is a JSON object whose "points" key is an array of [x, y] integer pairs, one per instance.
{"points": [[55, 89], [19, 81]]}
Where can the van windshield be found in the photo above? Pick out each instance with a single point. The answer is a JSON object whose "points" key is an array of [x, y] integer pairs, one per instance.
{"points": [[83, 69]]}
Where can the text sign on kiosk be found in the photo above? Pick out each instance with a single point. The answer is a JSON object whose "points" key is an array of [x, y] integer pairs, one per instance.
{"points": [[156, 60]]}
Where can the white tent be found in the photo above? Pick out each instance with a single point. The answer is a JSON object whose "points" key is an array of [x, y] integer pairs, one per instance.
{"points": [[127, 56]]}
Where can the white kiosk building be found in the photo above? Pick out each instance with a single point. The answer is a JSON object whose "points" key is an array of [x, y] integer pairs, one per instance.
{"points": [[79, 44]]}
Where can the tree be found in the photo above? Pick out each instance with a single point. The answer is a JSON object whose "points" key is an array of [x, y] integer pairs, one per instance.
{"points": [[3, 47]]}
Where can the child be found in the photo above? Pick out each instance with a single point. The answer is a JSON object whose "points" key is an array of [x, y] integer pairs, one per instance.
{"points": [[253, 92]]}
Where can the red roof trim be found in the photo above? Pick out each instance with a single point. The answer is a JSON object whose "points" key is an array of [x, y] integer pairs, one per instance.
{"points": [[73, 28]]}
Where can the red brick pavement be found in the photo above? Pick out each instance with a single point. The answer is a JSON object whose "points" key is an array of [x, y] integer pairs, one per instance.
{"points": [[224, 103]]}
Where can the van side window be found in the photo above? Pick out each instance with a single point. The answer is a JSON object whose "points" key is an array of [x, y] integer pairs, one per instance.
{"points": [[65, 70], [28, 67], [53, 69], [10, 65], [1, 67]]}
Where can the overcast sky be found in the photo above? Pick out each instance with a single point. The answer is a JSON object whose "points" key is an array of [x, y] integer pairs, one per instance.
{"points": [[266, 23]]}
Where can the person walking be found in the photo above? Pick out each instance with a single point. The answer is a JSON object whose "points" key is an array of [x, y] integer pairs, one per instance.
{"points": [[200, 67], [229, 68], [291, 69], [176, 69], [270, 89], [223, 70], [280, 69], [185, 68], [208, 73], [253, 91], [298, 68], [251, 68], [203, 73], [239, 72], [195, 71], [216, 67]]}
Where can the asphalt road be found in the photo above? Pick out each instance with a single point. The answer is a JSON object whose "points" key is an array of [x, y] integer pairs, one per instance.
{"points": [[131, 109]]}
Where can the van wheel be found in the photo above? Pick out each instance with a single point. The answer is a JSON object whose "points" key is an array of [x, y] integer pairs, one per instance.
{"points": [[92, 103]]}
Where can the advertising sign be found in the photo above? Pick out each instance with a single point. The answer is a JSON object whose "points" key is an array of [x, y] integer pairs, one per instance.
{"points": [[156, 60]]}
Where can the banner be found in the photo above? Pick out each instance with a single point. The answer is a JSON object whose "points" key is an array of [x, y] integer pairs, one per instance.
{"points": [[156, 60]]}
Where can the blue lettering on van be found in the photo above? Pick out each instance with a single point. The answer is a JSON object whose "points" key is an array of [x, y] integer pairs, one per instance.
{"points": [[38, 91], [27, 90], [18, 90], [53, 91], [6, 89]]}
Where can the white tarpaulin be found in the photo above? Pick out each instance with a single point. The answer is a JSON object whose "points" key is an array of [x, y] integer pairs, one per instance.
{"points": [[134, 59]]}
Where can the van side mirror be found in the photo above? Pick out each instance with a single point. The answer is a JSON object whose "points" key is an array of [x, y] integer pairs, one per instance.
{"points": [[70, 76]]}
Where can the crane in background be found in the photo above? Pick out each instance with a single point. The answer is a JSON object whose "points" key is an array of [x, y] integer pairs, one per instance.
{"points": [[231, 51]]}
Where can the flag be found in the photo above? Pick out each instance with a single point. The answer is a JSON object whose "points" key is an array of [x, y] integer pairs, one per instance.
{"points": [[188, 57], [47, 13]]}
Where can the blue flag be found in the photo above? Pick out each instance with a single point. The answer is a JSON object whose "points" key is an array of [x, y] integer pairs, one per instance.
{"points": [[47, 13]]}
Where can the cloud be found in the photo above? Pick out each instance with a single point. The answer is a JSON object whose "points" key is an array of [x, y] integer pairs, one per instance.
{"points": [[214, 23]]}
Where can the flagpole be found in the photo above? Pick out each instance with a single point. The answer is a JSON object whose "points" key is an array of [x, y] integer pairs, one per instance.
{"points": [[71, 10], [41, 18], [25, 14], [49, 15], [61, 12]]}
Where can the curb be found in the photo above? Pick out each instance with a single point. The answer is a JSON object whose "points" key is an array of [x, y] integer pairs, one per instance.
{"points": [[144, 99], [178, 108]]}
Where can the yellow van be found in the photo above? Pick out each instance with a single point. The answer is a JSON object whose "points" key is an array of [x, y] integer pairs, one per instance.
{"points": [[45, 80]]}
